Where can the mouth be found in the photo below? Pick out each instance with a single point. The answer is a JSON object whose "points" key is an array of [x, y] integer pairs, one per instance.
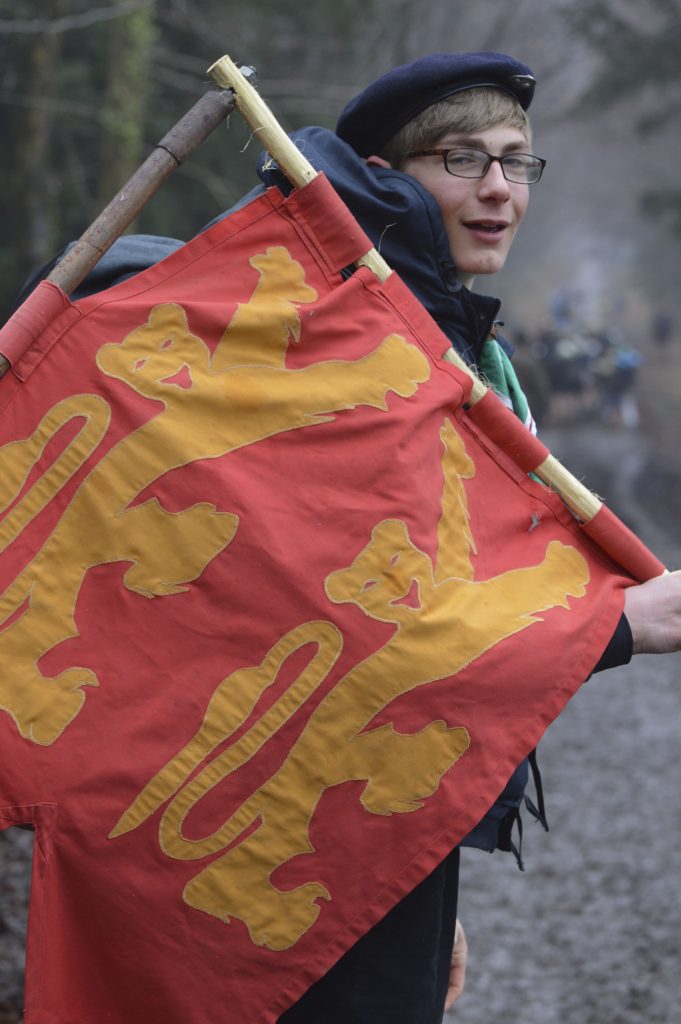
{"points": [[488, 227]]}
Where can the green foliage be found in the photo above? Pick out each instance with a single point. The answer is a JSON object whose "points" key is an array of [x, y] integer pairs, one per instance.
{"points": [[123, 74], [127, 61], [638, 51], [634, 51]]}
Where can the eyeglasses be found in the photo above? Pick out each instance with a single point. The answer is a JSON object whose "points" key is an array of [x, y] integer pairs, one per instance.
{"points": [[521, 168]]}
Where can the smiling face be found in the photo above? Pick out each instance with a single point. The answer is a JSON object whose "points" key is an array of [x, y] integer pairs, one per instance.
{"points": [[481, 215]]}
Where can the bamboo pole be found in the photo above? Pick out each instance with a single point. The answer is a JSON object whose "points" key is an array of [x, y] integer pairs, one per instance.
{"points": [[274, 139], [172, 150], [300, 171]]}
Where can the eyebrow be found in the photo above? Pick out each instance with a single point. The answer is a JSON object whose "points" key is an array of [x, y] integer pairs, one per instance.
{"points": [[474, 142]]}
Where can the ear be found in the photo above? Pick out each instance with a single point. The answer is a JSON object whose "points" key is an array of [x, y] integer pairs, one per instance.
{"points": [[378, 161]]}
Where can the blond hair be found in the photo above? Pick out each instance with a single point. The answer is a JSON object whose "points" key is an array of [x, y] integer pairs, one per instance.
{"points": [[467, 112]]}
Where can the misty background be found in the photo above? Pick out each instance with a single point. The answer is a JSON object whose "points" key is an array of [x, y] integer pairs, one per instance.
{"points": [[87, 89]]}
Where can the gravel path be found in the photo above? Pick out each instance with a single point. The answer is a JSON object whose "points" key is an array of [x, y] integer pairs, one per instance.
{"points": [[15, 852], [588, 934]]}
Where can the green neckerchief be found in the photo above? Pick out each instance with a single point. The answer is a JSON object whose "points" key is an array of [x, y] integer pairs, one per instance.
{"points": [[497, 370]]}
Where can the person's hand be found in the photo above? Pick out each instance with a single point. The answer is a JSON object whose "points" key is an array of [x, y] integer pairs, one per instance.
{"points": [[457, 972], [653, 610]]}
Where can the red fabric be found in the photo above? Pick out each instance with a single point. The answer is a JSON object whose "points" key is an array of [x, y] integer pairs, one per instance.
{"points": [[33, 318], [607, 531], [512, 436], [228, 732], [623, 546], [328, 217]]}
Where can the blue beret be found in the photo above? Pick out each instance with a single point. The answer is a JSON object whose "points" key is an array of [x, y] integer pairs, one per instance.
{"points": [[373, 117]]}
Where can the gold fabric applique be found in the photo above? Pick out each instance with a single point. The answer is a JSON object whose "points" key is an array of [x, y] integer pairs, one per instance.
{"points": [[239, 396], [390, 581]]}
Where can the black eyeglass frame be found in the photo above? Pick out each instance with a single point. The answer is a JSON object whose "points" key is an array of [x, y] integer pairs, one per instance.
{"points": [[444, 152]]}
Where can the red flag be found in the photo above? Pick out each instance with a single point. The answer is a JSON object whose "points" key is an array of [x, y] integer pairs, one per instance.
{"points": [[279, 619]]}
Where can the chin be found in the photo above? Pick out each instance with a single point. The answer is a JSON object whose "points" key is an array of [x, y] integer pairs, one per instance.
{"points": [[487, 264]]}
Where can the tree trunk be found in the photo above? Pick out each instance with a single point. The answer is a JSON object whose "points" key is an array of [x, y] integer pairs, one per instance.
{"points": [[26, 211], [128, 54]]}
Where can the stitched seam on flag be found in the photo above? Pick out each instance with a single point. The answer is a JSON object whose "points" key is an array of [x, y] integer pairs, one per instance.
{"points": [[419, 324], [16, 814], [340, 222], [43, 307], [9, 385], [43, 345], [315, 248], [312, 243], [41, 840], [383, 290]]}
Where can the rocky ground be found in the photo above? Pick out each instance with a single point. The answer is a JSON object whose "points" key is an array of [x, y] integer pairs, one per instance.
{"points": [[15, 852], [589, 933]]}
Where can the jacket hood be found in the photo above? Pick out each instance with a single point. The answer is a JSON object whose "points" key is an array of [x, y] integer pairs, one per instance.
{"points": [[403, 221]]}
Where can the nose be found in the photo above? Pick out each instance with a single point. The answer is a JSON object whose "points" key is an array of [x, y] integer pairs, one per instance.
{"points": [[493, 184]]}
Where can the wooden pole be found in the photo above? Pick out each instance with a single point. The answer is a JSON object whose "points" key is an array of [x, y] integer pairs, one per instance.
{"points": [[173, 149], [300, 171]]}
